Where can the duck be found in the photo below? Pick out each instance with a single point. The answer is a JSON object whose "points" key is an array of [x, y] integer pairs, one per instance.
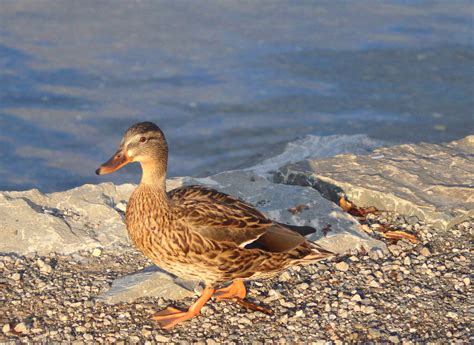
{"points": [[201, 234]]}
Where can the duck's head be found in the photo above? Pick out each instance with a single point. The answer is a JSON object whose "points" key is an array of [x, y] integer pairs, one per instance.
{"points": [[145, 143]]}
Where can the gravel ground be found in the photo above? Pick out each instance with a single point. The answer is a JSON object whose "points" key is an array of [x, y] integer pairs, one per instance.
{"points": [[417, 292]]}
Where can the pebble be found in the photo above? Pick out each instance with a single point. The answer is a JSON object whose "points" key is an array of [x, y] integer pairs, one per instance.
{"points": [[63, 317], [15, 276], [121, 206], [20, 328], [425, 252], [6, 328], [452, 315], [80, 329], [368, 309], [96, 252], [374, 333], [374, 284], [394, 249], [161, 338], [146, 332], [284, 276], [44, 267], [302, 286], [334, 307], [134, 339], [244, 320], [342, 266]]}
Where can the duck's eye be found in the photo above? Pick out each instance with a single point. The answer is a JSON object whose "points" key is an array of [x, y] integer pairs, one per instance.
{"points": [[142, 139]]}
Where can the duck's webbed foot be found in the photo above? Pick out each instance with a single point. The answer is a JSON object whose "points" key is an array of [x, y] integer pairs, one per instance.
{"points": [[170, 317], [237, 292]]}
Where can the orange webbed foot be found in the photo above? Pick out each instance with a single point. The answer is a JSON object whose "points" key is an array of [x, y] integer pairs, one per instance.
{"points": [[237, 292], [234, 290], [170, 317]]}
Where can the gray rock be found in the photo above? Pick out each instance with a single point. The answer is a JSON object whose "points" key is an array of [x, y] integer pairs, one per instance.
{"points": [[433, 182], [150, 282], [82, 218]]}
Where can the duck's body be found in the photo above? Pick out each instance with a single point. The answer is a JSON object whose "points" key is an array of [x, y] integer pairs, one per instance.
{"points": [[198, 233]]}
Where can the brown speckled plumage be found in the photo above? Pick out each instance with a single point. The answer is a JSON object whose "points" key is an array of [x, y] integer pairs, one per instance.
{"points": [[199, 233]]}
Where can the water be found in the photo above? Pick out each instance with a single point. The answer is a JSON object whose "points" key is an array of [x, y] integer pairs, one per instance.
{"points": [[229, 82]]}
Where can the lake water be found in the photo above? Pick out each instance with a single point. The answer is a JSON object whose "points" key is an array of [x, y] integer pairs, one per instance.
{"points": [[228, 81]]}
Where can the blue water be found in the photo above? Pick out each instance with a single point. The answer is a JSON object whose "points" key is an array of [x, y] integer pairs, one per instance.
{"points": [[227, 81]]}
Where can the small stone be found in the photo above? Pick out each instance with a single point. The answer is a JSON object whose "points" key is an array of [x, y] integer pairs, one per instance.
{"points": [[356, 298], [80, 329], [425, 252], [6, 328], [368, 310], [134, 339], [244, 320], [302, 286], [285, 276], [96, 252], [20, 328], [374, 333], [63, 317], [121, 206], [342, 266], [211, 341], [46, 269], [15, 276], [374, 284], [393, 339], [376, 254], [451, 315], [88, 336], [394, 249], [161, 338], [407, 261], [467, 281], [146, 332], [299, 313]]}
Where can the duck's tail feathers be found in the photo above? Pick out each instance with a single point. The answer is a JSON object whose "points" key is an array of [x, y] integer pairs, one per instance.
{"points": [[317, 253]]}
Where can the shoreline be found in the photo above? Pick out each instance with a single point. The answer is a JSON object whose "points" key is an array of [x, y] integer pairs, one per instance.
{"points": [[62, 250]]}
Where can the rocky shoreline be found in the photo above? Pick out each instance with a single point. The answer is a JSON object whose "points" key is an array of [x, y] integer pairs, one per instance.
{"points": [[62, 253]]}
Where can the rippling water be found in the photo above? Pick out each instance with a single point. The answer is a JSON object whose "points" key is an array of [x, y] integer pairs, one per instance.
{"points": [[228, 81]]}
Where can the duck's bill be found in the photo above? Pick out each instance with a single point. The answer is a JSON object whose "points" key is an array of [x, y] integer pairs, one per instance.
{"points": [[118, 160]]}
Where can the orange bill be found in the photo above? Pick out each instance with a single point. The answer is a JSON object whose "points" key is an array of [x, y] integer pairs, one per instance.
{"points": [[118, 160]]}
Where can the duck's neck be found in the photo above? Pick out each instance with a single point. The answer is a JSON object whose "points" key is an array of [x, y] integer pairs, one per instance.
{"points": [[154, 179], [154, 176]]}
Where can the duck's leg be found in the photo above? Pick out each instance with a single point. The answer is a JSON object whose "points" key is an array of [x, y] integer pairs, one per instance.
{"points": [[234, 290], [170, 317], [237, 292]]}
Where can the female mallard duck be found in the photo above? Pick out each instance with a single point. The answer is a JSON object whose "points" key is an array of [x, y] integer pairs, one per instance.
{"points": [[198, 233]]}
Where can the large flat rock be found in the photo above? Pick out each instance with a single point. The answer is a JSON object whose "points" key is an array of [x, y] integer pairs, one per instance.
{"points": [[82, 218], [434, 182], [150, 282]]}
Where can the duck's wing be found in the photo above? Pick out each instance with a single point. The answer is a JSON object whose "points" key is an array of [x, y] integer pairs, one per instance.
{"points": [[223, 218], [218, 216]]}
